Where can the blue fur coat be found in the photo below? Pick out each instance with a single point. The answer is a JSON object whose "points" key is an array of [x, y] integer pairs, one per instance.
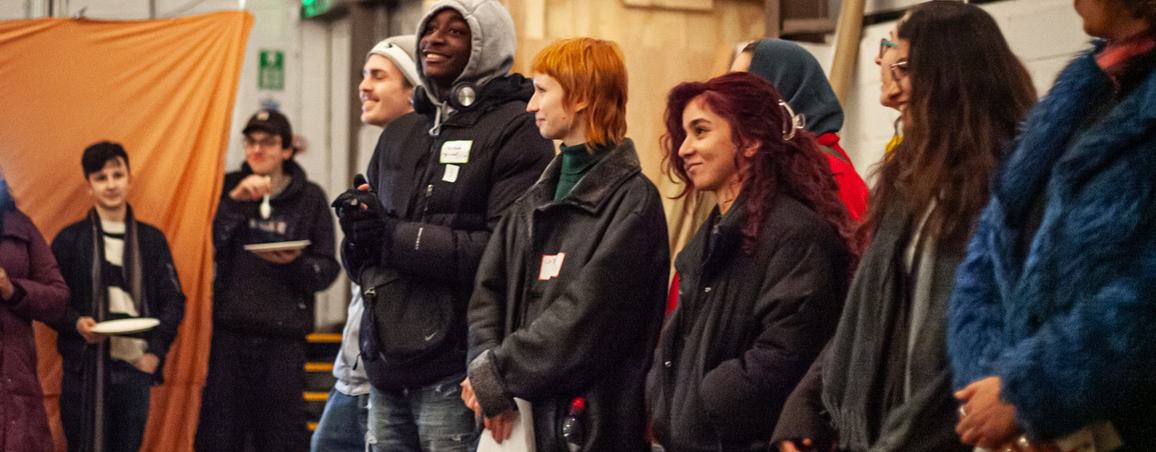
{"points": [[1067, 317]]}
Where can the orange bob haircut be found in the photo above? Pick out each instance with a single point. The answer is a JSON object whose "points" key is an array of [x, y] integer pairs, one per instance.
{"points": [[592, 73]]}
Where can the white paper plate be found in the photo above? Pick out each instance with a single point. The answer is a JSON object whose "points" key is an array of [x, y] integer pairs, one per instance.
{"points": [[126, 326], [277, 246]]}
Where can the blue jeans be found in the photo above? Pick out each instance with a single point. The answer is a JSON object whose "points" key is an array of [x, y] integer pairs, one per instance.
{"points": [[343, 424], [426, 419]]}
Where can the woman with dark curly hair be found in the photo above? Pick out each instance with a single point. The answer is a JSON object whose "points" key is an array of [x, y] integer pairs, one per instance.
{"points": [[762, 281], [1051, 321]]}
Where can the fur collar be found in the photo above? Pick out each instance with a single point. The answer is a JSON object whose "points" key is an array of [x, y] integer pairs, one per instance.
{"points": [[1046, 148]]}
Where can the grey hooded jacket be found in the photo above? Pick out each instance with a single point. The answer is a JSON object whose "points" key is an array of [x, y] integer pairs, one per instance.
{"points": [[446, 176]]}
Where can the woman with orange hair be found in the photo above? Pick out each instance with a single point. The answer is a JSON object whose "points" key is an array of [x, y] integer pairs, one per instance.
{"points": [[568, 298]]}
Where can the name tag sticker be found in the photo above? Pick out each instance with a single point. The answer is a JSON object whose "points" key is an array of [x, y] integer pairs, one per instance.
{"points": [[451, 174], [551, 266], [456, 152]]}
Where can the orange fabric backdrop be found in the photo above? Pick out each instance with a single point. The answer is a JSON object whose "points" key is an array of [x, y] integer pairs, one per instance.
{"points": [[165, 89]]}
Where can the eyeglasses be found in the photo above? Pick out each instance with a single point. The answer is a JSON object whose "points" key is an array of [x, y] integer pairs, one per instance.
{"points": [[899, 69], [885, 44], [268, 142]]}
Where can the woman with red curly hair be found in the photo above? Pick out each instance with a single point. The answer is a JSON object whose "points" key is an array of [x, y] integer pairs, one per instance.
{"points": [[762, 281]]}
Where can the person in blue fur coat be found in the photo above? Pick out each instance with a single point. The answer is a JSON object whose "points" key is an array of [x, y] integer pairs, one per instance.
{"points": [[1051, 322]]}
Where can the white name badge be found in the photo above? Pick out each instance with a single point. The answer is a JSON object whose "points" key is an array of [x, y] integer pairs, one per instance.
{"points": [[456, 151], [551, 266], [451, 174]]}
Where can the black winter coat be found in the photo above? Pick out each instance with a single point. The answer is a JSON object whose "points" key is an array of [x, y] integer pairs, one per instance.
{"points": [[254, 296], [584, 325], [747, 327], [448, 192], [164, 299]]}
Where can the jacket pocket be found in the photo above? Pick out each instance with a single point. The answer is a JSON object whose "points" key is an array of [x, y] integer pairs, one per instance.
{"points": [[405, 321]]}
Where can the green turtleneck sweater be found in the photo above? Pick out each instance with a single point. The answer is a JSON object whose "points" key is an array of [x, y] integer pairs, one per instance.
{"points": [[576, 161]]}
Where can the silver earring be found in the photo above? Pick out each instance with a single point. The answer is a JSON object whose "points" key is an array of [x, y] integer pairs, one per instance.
{"points": [[791, 122]]}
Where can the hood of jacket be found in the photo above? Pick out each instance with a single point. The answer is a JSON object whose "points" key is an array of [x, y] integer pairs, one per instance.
{"points": [[800, 79], [493, 41]]}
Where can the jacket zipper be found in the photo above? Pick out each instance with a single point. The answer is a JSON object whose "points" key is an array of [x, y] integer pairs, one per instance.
{"points": [[425, 206]]}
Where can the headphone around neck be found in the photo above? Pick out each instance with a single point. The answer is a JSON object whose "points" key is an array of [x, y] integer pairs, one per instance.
{"points": [[464, 96]]}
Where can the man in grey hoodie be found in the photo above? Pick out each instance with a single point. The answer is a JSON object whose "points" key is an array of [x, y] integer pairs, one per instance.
{"points": [[386, 90], [438, 183]]}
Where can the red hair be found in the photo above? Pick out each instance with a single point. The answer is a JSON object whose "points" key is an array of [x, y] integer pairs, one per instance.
{"points": [[794, 167], [592, 72]]}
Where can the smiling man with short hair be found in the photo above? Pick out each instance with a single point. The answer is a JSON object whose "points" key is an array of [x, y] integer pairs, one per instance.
{"points": [[387, 83], [116, 267]]}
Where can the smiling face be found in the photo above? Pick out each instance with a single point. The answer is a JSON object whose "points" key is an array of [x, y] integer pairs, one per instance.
{"points": [[264, 152], [384, 93], [444, 48], [554, 120], [896, 85], [109, 187], [708, 152]]}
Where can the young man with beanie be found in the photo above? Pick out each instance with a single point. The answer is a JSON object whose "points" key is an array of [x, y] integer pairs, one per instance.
{"points": [[438, 183], [263, 300], [387, 83], [116, 267]]}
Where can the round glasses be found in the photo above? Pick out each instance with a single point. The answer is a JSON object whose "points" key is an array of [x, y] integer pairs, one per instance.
{"points": [[899, 69]]}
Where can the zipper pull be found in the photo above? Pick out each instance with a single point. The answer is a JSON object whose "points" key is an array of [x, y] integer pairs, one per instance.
{"points": [[425, 207]]}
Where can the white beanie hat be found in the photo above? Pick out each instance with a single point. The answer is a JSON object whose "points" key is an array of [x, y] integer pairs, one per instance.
{"points": [[399, 50]]}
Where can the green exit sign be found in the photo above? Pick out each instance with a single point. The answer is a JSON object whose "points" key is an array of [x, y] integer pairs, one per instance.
{"points": [[314, 8], [271, 70]]}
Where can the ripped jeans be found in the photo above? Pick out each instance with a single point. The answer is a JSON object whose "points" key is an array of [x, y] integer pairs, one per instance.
{"points": [[432, 418]]}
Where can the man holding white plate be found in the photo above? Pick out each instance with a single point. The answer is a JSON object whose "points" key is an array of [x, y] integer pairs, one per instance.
{"points": [[125, 307], [273, 236]]}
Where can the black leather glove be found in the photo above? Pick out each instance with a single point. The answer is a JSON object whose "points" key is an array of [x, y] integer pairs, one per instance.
{"points": [[362, 218]]}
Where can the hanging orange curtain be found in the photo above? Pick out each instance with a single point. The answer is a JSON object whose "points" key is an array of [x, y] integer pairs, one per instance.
{"points": [[163, 88]]}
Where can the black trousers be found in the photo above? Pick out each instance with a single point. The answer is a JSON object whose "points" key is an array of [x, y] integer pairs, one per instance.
{"points": [[126, 407], [254, 394]]}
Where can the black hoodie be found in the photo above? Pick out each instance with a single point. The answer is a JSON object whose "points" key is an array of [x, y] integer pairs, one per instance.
{"points": [[253, 296]]}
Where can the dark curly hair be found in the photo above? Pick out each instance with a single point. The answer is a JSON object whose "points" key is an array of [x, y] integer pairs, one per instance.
{"points": [[794, 167]]}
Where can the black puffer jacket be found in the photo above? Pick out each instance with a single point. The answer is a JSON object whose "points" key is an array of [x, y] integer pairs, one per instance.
{"points": [[253, 296], [590, 330], [448, 191], [746, 328]]}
